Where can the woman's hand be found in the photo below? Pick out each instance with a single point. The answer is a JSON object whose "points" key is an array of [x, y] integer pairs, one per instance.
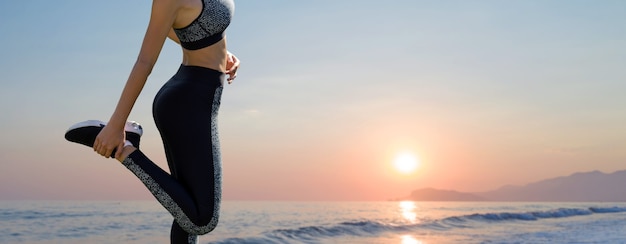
{"points": [[108, 139], [232, 64]]}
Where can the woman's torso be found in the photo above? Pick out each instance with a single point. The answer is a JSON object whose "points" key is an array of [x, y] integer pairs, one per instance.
{"points": [[199, 25]]}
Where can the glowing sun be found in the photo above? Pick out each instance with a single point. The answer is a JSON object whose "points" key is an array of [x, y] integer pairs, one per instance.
{"points": [[405, 163]]}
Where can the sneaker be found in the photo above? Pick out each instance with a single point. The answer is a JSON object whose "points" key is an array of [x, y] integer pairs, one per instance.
{"points": [[85, 132], [133, 132]]}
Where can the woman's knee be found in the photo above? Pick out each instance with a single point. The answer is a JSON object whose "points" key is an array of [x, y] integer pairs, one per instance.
{"points": [[202, 225]]}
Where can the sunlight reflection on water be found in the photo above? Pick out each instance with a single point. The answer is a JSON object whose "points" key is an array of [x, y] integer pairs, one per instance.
{"points": [[408, 239], [408, 210]]}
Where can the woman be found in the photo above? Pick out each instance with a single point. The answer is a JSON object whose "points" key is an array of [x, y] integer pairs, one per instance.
{"points": [[184, 110]]}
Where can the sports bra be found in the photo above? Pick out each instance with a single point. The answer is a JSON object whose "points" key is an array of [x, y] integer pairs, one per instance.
{"points": [[208, 28]]}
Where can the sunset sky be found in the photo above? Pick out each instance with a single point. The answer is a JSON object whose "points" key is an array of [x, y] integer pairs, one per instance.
{"points": [[482, 93]]}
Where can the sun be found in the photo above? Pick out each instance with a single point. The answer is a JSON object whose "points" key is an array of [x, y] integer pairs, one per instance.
{"points": [[406, 163]]}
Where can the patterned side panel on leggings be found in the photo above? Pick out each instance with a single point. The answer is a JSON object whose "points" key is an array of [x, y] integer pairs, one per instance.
{"points": [[192, 239], [170, 205], [217, 158]]}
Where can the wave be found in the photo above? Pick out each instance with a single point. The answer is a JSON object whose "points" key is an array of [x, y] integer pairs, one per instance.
{"points": [[34, 214], [367, 228]]}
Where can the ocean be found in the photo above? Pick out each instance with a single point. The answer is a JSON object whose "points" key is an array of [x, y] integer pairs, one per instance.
{"points": [[45, 222]]}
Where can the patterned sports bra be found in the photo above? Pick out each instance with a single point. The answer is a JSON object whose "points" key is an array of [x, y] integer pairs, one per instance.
{"points": [[208, 28]]}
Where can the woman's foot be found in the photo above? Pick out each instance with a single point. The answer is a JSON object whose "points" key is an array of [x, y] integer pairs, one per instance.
{"points": [[85, 132]]}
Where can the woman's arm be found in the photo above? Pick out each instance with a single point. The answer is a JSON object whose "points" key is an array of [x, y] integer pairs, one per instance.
{"points": [[161, 21]]}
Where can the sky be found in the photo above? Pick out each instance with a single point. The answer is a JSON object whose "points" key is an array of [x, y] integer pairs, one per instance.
{"points": [[482, 93]]}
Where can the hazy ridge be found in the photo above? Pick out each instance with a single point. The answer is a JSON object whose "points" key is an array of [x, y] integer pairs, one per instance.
{"points": [[579, 187]]}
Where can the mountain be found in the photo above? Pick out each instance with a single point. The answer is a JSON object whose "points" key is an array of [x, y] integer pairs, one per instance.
{"points": [[579, 187]]}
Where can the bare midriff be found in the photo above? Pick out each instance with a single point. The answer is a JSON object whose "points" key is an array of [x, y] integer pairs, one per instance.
{"points": [[212, 57]]}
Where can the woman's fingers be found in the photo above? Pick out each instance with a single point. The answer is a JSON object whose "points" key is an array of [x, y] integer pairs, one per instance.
{"points": [[235, 60], [232, 64], [105, 143], [105, 151], [231, 76], [96, 146], [119, 150], [231, 60]]}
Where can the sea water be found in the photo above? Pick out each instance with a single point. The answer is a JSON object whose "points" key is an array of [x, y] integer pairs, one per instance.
{"points": [[43, 222]]}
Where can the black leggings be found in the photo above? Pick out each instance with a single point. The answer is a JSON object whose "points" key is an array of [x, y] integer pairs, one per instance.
{"points": [[185, 112]]}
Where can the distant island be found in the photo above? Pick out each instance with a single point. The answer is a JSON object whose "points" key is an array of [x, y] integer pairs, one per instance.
{"points": [[592, 186]]}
